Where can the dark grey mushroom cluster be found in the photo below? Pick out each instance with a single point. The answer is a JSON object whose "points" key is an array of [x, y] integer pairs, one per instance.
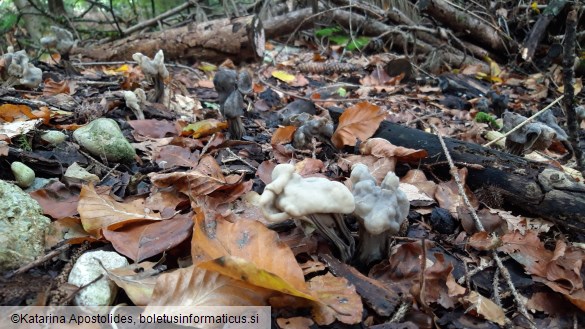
{"points": [[301, 114], [533, 136], [231, 88]]}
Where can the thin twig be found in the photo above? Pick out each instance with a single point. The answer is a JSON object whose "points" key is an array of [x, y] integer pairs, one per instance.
{"points": [[525, 121], [38, 261], [207, 145], [240, 158], [479, 226]]}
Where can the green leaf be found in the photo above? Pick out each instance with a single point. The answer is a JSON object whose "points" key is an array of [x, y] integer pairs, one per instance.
{"points": [[327, 32], [341, 91], [358, 43], [339, 39]]}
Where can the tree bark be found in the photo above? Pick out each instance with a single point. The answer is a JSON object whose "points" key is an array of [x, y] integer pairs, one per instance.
{"points": [[34, 22], [464, 22], [536, 188], [239, 39]]}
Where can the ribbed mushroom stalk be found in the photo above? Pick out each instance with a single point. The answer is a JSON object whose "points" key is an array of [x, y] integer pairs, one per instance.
{"points": [[315, 199], [380, 211]]}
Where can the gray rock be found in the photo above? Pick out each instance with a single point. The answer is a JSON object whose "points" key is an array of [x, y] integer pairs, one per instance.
{"points": [[76, 172], [22, 227], [87, 268], [24, 176], [103, 138], [54, 137]]}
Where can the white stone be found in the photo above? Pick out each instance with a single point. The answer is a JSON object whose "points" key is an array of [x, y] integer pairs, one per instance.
{"points": [[75, 171], [87, 268]]}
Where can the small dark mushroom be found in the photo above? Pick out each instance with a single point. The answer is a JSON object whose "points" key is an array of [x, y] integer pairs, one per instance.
{"points": [[233, 109]]}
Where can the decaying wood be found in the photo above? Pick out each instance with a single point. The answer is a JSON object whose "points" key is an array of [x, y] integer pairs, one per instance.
{"points": [[239, 39], [285, 24], [538, 30], [401, 40], [536, 188], [463, 22], [433, 36]]}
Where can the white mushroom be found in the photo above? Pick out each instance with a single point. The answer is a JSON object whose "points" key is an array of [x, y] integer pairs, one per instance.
{"points": [[316, 199], [133, 103], [380, 211], [156, 71]]}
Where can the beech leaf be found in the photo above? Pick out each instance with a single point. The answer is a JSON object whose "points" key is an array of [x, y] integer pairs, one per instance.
{"points": [[100, 211], [359, 121]]}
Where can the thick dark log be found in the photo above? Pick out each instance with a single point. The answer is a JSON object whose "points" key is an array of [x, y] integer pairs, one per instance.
{"points": [[535, 188]]}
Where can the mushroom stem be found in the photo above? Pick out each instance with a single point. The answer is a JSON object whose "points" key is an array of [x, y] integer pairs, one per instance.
{"points": [[159, 89], [328, 225], [372, 247]]}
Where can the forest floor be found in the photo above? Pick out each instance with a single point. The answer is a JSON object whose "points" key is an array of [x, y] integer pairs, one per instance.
{"points": [[191, 195]]}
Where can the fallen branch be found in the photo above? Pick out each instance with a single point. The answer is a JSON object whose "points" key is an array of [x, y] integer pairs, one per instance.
{"points": [[534, 187], [464, 21]]}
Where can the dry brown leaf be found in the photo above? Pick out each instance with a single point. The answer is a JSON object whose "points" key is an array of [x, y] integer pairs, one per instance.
{"points": [[139, 241], [312, 266], [194, 286], [527, 250], [484, 307], [283, 135], [309, 167], [338, 300], [249, 240], [447, 194], [203, 180], [57, 200], [378, 167], [294, 323], [380, 148], [241, 269], [66, 229], [62, 87], [264, 171], [101, 211], [137, 280], [359, 121], [484, 241]]}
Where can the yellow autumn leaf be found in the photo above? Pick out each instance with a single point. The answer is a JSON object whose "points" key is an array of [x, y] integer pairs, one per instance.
{"points": [[578, 85], [242, 269], [207, 67], [283, 76]]}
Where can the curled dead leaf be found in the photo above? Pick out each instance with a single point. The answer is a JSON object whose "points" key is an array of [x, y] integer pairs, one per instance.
{"points": [[359, 121], [98, 211]]}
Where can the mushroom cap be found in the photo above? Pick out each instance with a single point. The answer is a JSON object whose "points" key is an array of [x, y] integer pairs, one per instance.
{"points": [[245, 82], [290, 195], [531, 136], [234, 105], [224, 82], [152, 67], [379, 208]]}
